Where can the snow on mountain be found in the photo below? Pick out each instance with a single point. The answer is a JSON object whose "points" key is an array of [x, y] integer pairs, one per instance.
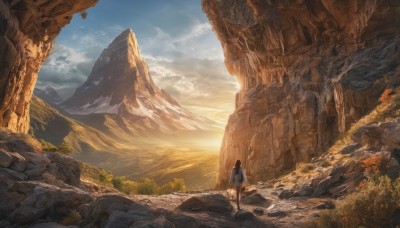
{"points": [[48, 94], [120, 84]]}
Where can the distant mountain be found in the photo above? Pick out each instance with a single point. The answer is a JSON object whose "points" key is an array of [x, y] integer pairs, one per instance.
{"points": [[49, 124], [120, 90], [48, 94]]}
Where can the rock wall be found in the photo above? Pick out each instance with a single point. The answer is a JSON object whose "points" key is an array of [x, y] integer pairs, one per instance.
{"points": [[27, 32], [308, 69]]}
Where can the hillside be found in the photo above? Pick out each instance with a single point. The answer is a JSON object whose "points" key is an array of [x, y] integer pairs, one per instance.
{"points": [[49, 124], [192, 157]]}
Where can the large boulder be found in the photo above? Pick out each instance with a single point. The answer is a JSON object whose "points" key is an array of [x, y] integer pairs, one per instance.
{"points": [[255, 199], [99, 210], [209, 202], [43, 200], [333, 177], [64, 168], [243, 215]]}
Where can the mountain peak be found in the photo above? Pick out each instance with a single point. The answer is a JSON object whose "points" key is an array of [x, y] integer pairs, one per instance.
{"points": [[120, 83], [49, 94], [126, 40]]}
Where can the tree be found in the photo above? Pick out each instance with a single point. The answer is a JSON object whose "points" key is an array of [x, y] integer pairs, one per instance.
{"points": [[83, 14]]}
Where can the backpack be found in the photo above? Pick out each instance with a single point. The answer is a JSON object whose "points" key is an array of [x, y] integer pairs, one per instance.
{"points": [[241, 178]]}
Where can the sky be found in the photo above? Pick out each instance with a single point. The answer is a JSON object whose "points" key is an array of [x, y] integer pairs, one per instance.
{"points": [[184, 56]]}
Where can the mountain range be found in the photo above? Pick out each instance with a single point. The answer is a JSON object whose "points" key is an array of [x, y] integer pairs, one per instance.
{"points": [[120, 116]]}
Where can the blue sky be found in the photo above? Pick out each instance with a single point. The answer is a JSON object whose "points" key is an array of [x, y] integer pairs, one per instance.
{"points": [[184, 56]]}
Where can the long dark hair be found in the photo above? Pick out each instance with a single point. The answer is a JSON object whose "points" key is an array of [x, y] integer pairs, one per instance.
{"points": [[237, 166]]}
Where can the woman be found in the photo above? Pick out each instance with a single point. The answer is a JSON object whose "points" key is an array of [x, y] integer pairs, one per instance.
{"points": [[238, 179]]}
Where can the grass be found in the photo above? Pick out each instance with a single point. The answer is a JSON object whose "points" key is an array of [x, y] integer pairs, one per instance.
{"points": [[146, 186], [388, 110], [371, 206]]}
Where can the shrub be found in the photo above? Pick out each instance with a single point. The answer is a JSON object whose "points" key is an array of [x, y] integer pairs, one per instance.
{"points": [[118, 182], [83, 14], [102, 176], [46, 146], [147, 187], [177, 185], [130, 187], [307, 168], [379, 163], [371, 206], [64, 148]]}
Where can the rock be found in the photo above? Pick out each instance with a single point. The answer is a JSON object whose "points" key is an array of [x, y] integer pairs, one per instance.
{"points": [[51, 225], [36, 165], [5, 159], [395, 219], [182, 220], [9, 174], [243, 215], [286, 194], [258, 211], [255, 199], [19, 164], [350, 149], [325, 205], [299, 81], [98, 211], [277, 214], [25, 44], [337, 172], [333, 178], [65, 168], [210, 202], [304, 190], [45, 200], [157, 223], [323, 186]]}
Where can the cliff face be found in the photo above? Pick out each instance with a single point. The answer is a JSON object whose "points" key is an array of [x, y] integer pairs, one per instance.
{"points": [[27, 32], [307, 70]]}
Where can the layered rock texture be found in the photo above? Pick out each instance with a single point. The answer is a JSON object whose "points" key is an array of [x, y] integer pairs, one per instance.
{"points": [[120, 84], [27, 32], [307, 70]]}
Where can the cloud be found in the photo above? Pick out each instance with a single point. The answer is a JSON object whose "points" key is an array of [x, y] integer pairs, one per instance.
{"points": [[65, 69], [201, 85], [187, 62]]}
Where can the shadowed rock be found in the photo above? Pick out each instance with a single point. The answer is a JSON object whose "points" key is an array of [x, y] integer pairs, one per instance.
{"points": [[211, 203]]}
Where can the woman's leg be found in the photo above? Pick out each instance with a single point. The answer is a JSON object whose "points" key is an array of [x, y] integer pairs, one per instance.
{"points": [[238, 196]]}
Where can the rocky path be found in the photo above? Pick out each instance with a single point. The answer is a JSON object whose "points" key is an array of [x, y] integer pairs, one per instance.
{"points": [[266, 208]]}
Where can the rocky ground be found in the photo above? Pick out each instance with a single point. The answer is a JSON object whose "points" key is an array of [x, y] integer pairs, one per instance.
{"points": [[40, 189]]}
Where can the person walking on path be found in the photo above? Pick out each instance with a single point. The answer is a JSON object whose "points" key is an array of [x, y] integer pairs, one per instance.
{"points": [[238, 179]]}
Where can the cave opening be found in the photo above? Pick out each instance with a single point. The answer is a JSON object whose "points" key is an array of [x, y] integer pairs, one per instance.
{"points": [[185, 61]]}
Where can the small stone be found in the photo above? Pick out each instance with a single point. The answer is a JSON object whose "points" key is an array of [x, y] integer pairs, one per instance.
{"points": [[325, 205], [350, 149], [286, 194], [255, 199], [258, 211], [243, 215], [277, 214], [5, 159], [305, 190]]}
